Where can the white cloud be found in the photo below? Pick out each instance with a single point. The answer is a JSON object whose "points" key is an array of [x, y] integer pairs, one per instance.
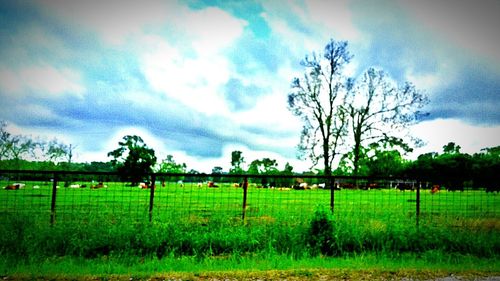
{"points": [[41, 79], [192, 81], [333, 17], [211, 29], [205, 165], [437, 133]]}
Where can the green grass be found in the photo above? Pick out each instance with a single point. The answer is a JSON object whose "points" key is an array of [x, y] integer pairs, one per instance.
{"points": [[201, 203], [190, 266], [199, 229]]}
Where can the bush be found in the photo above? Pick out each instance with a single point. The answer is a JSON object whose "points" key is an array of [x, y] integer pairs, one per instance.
{"points": [[321, 233]]}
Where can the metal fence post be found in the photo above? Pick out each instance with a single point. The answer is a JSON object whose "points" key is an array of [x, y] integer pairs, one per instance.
{"points": [[418, 204], [331, 183], [53, 201], [152, 196], [245, 189]]}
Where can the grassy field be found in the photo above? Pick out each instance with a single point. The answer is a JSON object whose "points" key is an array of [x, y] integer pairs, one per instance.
{"points": [[194, 203], [201, 229]]}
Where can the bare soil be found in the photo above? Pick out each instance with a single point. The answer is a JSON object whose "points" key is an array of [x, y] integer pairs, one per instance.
{"points": [[289, 275]]}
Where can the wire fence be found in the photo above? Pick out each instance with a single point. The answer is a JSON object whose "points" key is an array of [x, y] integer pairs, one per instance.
{"points": [[79, 197]]}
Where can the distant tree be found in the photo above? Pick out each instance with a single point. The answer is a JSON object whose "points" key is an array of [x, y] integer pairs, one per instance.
{"points": [[168, 165], [192, 176], [237, 161], [385, 160], [21, 147], [57, 151], [217, 170], [96, 166], [317, 98], [265, 166], [378, 107], [485, 167], [451, 148], [288, 170], [5, 141], [133, 158]]}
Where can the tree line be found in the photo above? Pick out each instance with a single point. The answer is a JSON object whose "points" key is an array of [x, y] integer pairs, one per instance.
{"points": [[384, 158]]}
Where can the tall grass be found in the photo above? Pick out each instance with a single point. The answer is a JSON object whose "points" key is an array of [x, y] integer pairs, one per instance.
{"points": [[323, 235]]}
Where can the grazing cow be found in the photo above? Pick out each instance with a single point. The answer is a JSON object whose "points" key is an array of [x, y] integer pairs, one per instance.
{"points": [[435, 188], [200, 184], [99, 185], [345, 185], [370, 186], [14, 186], [74, 186], [403, 186], [303, 185], [212, 184], [143, 185]]}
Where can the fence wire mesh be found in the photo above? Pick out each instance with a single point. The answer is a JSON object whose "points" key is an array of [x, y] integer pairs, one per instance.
{"points": [[70, 196]]}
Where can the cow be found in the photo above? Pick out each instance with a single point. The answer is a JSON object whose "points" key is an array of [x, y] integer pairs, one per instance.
{"points": [[14, 186], [97, 186], [435, 188], [212, 184], [403, 186]]}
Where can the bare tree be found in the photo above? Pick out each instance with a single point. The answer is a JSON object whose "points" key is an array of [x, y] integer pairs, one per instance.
{"points": [[5, 140], [378, 108], [57, 150], [317, 98]]}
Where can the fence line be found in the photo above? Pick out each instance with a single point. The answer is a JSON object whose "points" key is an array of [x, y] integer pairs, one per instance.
{"points": [[81, 195]]}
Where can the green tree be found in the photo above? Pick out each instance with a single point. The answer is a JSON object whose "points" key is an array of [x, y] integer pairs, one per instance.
{"points": [[5, 141], [133, 158], [237, 161], [317, 98], [485, 167], [264, 166], [57, 151], [21, 147], [217, 170], [451, 148], [384, 160], [168, 165]]}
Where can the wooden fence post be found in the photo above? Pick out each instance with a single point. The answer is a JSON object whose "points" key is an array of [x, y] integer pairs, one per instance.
{"points": [[245, 189], [53, 201], [152, 196]]}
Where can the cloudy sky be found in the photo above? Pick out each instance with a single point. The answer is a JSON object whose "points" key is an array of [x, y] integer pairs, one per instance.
{"points": [[199, 79]]}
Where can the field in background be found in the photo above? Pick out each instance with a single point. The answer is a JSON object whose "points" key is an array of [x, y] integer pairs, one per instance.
{"points": [[196, 202]]}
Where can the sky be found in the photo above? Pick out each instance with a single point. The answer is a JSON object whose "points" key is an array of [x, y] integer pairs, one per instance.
{"points": [[200, 79]]}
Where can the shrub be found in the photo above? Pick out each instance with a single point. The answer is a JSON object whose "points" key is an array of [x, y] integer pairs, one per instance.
{"points": [[321, 233]]}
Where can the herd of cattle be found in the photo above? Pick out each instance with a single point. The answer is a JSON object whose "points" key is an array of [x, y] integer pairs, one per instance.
{"points": [[301, 184]]}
